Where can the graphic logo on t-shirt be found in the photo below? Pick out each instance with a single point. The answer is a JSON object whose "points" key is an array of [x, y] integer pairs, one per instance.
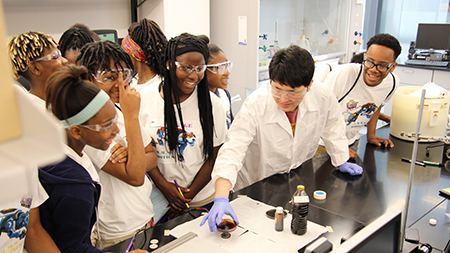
{"points": [[13, 223], [366, 110], [184, 139]]}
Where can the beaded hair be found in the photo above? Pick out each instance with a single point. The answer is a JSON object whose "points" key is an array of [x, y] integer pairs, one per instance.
{"points": [[27, 47]]}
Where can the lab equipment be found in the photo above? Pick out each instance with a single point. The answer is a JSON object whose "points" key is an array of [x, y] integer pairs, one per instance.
{"points": [[279, 219], [303, 42], [221, 206], [226, 226], [426, 63], [300, 206]]}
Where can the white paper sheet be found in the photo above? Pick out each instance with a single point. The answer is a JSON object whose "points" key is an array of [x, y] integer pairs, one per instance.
{"points": [[261, 236]]}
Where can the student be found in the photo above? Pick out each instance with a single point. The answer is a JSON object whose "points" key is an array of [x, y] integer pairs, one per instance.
{"points": [[278, 128], [219, 68], [188, 125], [35, 56], [71, 41], [145, 43], [125, 206], [89, 118], [361, 89]]}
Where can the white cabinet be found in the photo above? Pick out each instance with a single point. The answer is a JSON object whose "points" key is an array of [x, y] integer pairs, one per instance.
{"points": [[442, 78], [413, 76]]}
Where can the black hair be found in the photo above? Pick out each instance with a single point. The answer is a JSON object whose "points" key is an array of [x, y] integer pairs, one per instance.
{"points": [[73, 39], [147, 34], [358, 58], [94, 35], [293, 66], [68, 91], [386, 40], [213, 50], [170, 88], [98, 56]]}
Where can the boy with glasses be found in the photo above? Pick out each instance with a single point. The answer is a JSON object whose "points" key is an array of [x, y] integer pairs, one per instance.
{"points": [[277, 129], [361, 89]]}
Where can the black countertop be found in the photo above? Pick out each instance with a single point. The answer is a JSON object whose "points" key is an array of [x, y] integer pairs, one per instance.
{"points": [[353, 202]]}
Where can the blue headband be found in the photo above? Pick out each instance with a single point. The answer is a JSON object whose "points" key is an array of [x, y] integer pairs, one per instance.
{"points": [[88, 112]]}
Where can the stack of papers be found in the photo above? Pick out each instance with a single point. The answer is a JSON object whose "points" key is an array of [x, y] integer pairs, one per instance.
{"points": [[255, 232]]}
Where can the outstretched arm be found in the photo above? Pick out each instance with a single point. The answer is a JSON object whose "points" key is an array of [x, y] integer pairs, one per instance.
{"points": [[372, 128]]}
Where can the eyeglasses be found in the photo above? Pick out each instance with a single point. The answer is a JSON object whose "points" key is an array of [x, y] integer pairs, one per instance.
{"points": [[104, 127], [380, 67], [55, 55], [220, 68], [111, 76], [294, 96], [188, 68]]}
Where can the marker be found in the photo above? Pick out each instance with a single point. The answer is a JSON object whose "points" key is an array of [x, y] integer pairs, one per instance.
{"points": [[179, 189], [432, 163], [129, 245], [409, 161]]}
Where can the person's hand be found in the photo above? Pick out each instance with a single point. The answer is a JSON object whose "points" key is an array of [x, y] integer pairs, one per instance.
{"points": [[375, 140], [129, 98], [352, 154], [221, 206], [119, 154], [351, 168], [174, 197]]}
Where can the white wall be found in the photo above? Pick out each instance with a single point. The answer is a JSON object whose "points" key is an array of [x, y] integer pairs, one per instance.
{"points": [[55, 16]]}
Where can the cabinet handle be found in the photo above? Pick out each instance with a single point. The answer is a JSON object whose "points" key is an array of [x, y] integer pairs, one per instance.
{"points": [[408, 71]]}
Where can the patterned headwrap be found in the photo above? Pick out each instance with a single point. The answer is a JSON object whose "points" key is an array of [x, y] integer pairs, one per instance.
{"points": [[133, 49], [27, 47]]}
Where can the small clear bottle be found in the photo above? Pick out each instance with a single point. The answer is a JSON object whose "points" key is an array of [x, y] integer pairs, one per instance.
{"points": [[303, 42], [279, 219], [300, 206]]}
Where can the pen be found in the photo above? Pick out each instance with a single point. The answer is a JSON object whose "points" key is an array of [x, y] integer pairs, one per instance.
{"points": [[178, 187], [129, 246], [409, 161]]}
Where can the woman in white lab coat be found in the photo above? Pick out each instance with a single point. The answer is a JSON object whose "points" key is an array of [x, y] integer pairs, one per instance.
{"points": [[278, 128]]}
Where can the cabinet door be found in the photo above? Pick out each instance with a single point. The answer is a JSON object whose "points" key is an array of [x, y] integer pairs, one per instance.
{"points": [[442, 78], [413, 76]]}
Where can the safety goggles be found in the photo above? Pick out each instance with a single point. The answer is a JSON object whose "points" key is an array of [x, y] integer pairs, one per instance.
{"points": [[380, 67], [294, 96], [111, 76], [55, 55], [188, 68], [104, 127], [220, 68]]}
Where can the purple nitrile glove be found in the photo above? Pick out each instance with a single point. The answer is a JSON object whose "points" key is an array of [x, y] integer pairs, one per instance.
{"points": [[351, 168], [221, 206]]}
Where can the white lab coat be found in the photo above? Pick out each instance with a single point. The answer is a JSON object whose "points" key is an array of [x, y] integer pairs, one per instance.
{"points": [[260, 142]]}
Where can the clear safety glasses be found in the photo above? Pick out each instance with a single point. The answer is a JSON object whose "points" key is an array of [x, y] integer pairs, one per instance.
{"points": [[104, 127], [380, 67], [55, 55], [111, 76], [188, 68], [220, 68], [294, 96]]}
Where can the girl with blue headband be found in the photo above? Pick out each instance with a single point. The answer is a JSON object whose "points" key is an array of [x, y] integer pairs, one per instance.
{"points": [[89, 118]]}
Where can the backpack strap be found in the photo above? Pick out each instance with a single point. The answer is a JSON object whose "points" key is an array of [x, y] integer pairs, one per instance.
{"points": [[353, 86], [229, 98], [393, 86]]}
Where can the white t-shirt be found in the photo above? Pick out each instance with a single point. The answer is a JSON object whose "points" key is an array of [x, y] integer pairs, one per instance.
{"points": [[156, 80], [225, 101], [123, 208], [363, 100], [189, 163]]}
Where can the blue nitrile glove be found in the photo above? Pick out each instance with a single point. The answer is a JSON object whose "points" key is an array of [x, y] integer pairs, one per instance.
{"points": [[351, 168], [221, 206]]}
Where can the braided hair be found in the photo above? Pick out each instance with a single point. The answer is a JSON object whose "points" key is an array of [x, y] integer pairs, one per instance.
{"points": [[27, 47], [73, 39], [170, 88], [69, 91], [147, 34], [98, 56]]}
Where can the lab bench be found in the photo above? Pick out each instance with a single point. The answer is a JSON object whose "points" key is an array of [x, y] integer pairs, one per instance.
{"points": [[352, 201]]}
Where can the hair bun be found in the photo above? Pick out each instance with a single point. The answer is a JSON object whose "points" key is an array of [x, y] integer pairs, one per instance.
{"points": [[204, 38]]}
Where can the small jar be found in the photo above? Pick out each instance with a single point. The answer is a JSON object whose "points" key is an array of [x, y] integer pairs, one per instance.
{"points": [[279, 218]]}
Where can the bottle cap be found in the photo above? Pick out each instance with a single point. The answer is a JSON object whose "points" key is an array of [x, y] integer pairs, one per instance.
{"points": [[320, 195], [300, 187], [279, 209], [432, 222]]}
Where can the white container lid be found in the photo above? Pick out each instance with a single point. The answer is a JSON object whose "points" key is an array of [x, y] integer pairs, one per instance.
{"points": [[320, 195]]}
